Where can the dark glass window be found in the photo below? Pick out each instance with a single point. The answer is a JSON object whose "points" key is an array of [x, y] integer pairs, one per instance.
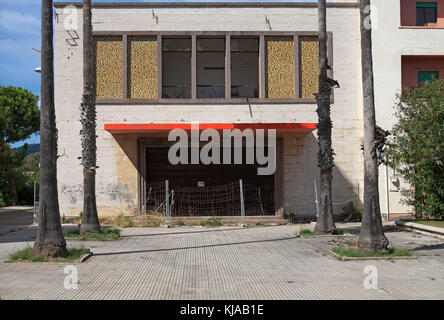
{"points": [[244, 67], [210, 67], [426, 12], [424, 76], [176, 68]]}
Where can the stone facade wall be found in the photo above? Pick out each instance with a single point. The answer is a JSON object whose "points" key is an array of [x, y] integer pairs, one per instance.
{"points": [[117, 154]]}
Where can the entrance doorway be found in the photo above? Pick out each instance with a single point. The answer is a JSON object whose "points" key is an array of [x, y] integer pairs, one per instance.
{"points": [[207, 190]]}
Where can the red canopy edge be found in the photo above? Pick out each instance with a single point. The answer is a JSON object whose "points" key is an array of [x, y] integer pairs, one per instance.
{"points": [[149, 127]]}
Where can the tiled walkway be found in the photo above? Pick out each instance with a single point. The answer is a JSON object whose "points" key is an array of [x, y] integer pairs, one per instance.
{"points": [[223, 263]]}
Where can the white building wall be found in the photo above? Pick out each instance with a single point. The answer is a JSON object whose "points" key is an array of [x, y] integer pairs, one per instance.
{"points": [[117, 175]]}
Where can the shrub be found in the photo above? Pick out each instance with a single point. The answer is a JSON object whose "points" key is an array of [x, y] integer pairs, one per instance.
{"points": [[416, 149], [351, 212]]}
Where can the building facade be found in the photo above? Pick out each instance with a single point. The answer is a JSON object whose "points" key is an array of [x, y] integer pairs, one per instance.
{"points": [[408, 49], [246, 66]]}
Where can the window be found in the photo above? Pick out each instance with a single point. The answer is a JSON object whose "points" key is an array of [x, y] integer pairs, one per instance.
{"points": [[108, 67], [426, 13], [244, 67], [206, 67], [308, 66], [176, 68], [210, 67], [427, 76], [142, 67], [279, 67]]}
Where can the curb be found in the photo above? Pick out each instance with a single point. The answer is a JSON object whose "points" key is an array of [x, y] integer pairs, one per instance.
{"points": [[422, 228], [84, 257], [344, 258], [92, 239]]}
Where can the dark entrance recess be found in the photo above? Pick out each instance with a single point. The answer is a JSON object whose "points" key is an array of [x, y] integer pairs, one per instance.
{"points": [[207, 190]]}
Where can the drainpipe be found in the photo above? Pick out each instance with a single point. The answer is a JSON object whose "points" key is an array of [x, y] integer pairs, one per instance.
{"points": [[388, 192]]}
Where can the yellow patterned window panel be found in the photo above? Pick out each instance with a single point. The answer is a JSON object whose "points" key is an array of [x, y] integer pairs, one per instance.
{"points": [[279, 67], [109, 78], [142, 67], [309, 66]]}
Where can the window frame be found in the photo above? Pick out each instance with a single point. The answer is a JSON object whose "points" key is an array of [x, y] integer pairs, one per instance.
{"points": [[227, 100], [425, 12]]}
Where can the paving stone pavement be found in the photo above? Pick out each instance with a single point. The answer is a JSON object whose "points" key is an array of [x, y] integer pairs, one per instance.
{"points": [[263, 263]]}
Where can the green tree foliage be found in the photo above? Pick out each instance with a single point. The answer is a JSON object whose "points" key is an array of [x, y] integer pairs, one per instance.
{"points": [[416, 150], [19, 118]]}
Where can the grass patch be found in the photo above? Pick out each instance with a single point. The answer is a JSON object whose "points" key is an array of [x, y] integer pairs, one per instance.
{"points": [[355, 253], [306, 233], [178, 222], [211, 222], [107, 234], [124, 221], [149, 220], [432, 223], [27, 255]]}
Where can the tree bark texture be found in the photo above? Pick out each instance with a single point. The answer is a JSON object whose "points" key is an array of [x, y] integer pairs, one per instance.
{"points": [[90, 218], [372, 236], [325, 223], [49, 240], [13, 190]]}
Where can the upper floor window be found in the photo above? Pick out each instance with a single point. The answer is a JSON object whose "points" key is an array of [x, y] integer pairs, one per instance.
{"points": [[176, 67], [426, 12], [422, 14], [244, 67], [210, 70], [194, 67], [424, 76]]}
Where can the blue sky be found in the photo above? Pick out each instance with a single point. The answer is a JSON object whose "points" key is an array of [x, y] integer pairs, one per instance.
{"points": [[19, 33]]}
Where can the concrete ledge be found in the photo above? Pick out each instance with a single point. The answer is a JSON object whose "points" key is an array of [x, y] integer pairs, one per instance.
{"points": [[344, 258], [422, 227]]}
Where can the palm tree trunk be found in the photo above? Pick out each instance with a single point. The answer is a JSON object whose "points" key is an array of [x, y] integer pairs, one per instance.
{"points": [[49, 240], [325, 223], [372, 236], [90, 218]]}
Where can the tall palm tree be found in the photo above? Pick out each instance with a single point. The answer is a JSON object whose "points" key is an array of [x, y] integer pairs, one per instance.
{"points": [[90, 218], [49, 240], [325, 223], [372, 236]]}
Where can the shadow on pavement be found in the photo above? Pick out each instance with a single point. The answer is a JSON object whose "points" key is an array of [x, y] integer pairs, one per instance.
{"points": [[194, 247]]}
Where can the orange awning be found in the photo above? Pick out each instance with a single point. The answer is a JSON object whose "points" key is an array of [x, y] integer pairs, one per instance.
{"points": [[159, 127]]}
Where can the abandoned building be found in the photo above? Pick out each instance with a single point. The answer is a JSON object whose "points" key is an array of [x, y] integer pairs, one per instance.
{"points": [[164, 66]]}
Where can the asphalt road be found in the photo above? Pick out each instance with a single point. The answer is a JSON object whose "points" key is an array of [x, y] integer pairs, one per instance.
{"points": [[16, 217]]}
